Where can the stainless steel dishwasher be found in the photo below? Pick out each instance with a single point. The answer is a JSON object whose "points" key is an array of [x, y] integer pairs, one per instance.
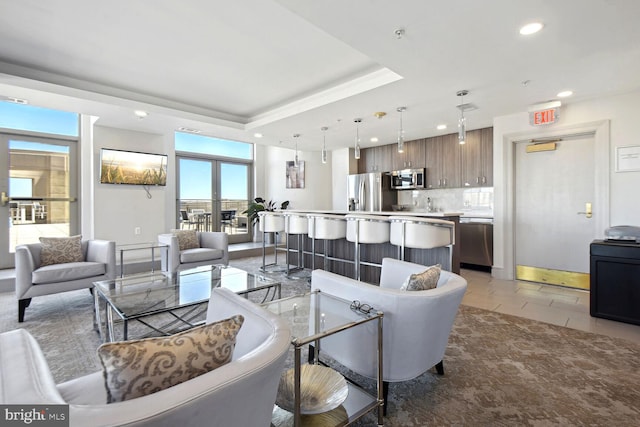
{"points": [[476, 241]]}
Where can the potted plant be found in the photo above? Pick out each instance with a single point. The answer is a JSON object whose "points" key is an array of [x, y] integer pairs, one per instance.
{"points": [[259, 204]]}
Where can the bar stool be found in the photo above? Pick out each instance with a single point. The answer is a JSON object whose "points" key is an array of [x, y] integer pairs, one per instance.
{"points": [[366, 229], [326, 227], [271, 222], [422, 233], [296, 224]]}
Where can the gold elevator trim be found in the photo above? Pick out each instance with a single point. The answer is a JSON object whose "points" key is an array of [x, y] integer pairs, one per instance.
{"points": [[570, 279]]}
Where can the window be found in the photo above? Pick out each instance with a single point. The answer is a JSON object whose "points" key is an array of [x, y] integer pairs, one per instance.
{"points": [[201, 144], [37, 119]]}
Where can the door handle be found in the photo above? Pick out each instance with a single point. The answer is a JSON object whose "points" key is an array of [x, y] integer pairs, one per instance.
{"points": [[588, 211]]}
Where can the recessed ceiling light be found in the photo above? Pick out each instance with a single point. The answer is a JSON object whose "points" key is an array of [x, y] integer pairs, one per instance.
{"points": [[441, 127], [141, 114], [257, 135], [374, 139], [16, 100], [189, 130], [531, 28], [565, 93]]}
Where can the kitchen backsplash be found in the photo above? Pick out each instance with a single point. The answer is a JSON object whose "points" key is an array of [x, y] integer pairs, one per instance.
{"points": [[450, 200]]}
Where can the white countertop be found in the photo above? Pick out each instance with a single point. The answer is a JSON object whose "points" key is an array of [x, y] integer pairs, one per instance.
{"points": [[382, 213]]}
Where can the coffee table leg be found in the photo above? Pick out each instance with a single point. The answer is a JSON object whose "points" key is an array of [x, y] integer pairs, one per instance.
{"points": [[109, 323]]}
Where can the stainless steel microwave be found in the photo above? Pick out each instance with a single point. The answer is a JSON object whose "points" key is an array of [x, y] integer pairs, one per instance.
{"points": [[408, 179]]}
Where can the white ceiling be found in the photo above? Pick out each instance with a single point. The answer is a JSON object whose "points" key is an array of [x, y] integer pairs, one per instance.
{"points": [[233, 68]]}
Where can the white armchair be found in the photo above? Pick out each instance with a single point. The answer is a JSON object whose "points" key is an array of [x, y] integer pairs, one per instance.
{"points": [[416, 324], [33, 280], [240, 393], [214, 249]]}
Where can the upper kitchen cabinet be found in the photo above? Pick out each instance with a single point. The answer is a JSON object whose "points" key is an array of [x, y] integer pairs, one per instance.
{"points": [[477, 158], [443, 162], [413, 156], [376, 159]]}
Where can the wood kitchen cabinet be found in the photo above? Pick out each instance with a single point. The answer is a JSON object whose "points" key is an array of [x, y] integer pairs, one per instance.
{"points": [[413, 156], [376, 159], [443, 162], [477, 158]]}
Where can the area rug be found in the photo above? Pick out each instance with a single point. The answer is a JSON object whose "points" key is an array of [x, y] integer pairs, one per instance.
{"points": [[500, 370]]}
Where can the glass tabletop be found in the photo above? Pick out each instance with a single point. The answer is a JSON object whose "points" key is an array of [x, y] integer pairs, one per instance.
{"points": [[136, 246], [317, 314], [144, 294]]}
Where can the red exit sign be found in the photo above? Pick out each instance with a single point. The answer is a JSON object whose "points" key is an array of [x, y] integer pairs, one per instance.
{"points": [[543, 117]]}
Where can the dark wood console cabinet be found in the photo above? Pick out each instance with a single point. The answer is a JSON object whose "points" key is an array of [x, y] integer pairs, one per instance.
{"points": [[615, 281]]}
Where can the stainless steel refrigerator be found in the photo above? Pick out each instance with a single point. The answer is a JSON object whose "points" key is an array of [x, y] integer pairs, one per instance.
{"points": [[370, 192]]}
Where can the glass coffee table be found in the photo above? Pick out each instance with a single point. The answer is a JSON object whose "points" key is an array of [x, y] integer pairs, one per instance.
{"points": [[313, 317], [177, 300]]}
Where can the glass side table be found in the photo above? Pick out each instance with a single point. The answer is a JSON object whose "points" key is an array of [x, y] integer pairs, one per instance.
{"points": [[141, 246], [317, 315]]}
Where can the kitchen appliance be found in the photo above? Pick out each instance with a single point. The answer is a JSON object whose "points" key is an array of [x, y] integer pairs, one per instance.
{"points": [[408, 179], [476, 241], [370, 192]]}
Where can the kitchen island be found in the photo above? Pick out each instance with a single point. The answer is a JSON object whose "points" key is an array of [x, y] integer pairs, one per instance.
{"points": [[373, 253]]}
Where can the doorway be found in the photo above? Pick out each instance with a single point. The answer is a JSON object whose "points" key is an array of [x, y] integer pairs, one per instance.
{"points": [[39, 191], [556, 214], [212, 196]]}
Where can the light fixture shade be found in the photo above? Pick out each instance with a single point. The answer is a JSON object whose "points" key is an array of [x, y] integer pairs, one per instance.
{"points": [[462, 123], [324, 144], [462, 130], [401, 131], [356, 153]]}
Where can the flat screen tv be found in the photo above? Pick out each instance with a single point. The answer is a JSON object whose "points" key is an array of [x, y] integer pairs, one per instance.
{"points": [[132, 167]]}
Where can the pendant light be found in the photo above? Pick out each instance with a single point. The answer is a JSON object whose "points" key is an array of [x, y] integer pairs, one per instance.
{"points": [[462, 123], [324, 144], [401, 131], [295, 159], [357, 149]]}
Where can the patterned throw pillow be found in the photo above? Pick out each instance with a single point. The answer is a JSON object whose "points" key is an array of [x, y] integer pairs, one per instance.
{"points": [[59, 250], [136, 368], [187, 239], [428, 279]]}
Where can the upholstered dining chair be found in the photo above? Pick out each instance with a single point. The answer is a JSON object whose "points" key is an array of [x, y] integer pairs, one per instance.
{"points": [[191, 248], [416, 324], [60, 264]]}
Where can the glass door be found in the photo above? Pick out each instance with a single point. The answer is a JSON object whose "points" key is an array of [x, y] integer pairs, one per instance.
{"points": [[38, 191], [212, 194]]}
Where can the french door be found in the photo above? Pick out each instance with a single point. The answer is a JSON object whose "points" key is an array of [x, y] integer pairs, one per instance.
{"points": [[212, 196], [38, 191]]}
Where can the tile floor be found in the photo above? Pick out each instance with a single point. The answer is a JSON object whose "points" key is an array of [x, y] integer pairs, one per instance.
{"points": [[545, 303]]}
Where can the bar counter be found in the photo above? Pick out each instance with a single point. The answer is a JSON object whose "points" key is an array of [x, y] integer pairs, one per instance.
{"points": [[373, 253]]}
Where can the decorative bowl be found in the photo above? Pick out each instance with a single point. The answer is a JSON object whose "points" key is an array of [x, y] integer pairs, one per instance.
{"points": [[321, 389]]}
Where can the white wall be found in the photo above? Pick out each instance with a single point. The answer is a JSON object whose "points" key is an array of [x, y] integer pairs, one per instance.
{"points": [[619, 115], [317, 191], [119, 209]]}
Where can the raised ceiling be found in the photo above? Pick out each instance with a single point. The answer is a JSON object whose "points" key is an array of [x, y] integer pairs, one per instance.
{"points": [[234, 68]]}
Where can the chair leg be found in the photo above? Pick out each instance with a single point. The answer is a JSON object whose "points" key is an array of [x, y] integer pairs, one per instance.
{"points": [[440, 368], [22, 306], [385, 394]]}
